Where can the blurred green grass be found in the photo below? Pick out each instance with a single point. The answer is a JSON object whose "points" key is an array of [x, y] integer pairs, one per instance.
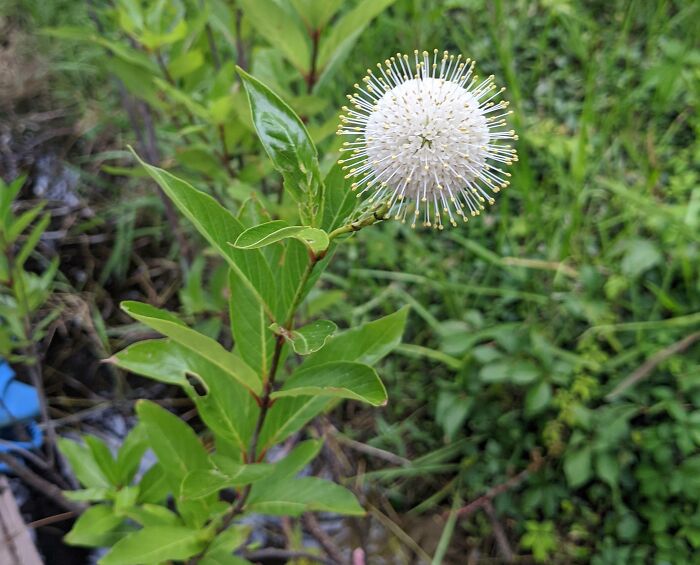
{"points": [[528, 317], [587, 266]]}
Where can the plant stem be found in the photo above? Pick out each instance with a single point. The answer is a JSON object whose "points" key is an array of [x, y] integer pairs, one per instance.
{"points": [[265, 400], [311, 78], [378, 215]]}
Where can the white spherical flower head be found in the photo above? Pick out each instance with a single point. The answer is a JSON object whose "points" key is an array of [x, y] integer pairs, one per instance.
{"points": [[428, 140]]}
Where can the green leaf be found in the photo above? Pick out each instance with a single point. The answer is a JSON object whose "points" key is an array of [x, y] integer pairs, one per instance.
{"points": [[339, 380], [155, 544], [32, 241], [211, 350], [577, 466], [221, 548], [254, 342], [288, 415], [95, 527], [309, 338], [130, 454], [366, 344], [153, 487], [297, 460], [179, 451], [287, 142], [227, 409], [219, 227], [272, 21], [538, 397], [201, 483], [317, 14], [291, 465], [88, 495], [153, 515], [8, 192], [22, 222], [339, 201], [83, 463], [640, 256], [175, 444], [337, 44], [293, 265], [607, 468], [277, 230], [293, 497], [103, 457]]}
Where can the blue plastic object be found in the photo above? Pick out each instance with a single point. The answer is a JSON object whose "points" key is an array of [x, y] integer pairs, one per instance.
{"points": [[19, 408]]}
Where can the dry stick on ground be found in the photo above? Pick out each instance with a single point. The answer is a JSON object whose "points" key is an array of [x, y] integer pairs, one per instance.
{"points": [[328, 545], [272, 553], [486, 498], [52, 519], [650, 364], [43, 486], [501, 538]]}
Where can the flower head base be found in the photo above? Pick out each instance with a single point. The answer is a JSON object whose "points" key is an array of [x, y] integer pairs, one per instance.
{"points": [[429, 140]]}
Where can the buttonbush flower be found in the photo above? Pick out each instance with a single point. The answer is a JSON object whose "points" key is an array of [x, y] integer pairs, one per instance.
{"points": [[430, 138]]}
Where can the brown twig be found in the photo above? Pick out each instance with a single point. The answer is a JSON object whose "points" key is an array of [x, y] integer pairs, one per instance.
{"points": [[646, 369], [324, 540], [311, 78], [493, 492], [273, 553], [501, 539], [240, 46], [52, 519], [40, 484]]}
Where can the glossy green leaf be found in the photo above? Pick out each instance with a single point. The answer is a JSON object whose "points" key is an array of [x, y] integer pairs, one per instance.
{"points": [[340, 380], [153, 487], [339, 201], [179, 452], [297, 460], [287, 142], [153, 515], [227, 409], [344, 33], [316, 14], [83, 463], [291, 465], [293, 497], [177, 447], [211, 350], [219, 227], [277, 230], [95, 527], [293, 264], [130, 454], [221, 548], [275, 24], [103, 457], [254, 342], [201, 483], [309, 338], [155, 544], [366, 344], [288, 415]]}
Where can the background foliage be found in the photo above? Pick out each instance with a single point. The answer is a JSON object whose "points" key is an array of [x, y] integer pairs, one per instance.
{"points": [[552, 345]]}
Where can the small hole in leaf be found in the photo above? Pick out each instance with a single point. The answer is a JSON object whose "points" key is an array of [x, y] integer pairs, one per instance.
{"points": [[197, 384]]}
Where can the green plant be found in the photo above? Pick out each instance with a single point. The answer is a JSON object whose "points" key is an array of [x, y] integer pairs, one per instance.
{"points": [[273, 266]]}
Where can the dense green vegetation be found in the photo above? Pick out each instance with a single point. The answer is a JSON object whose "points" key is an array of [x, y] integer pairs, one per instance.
{"points": [[551, 360]]}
